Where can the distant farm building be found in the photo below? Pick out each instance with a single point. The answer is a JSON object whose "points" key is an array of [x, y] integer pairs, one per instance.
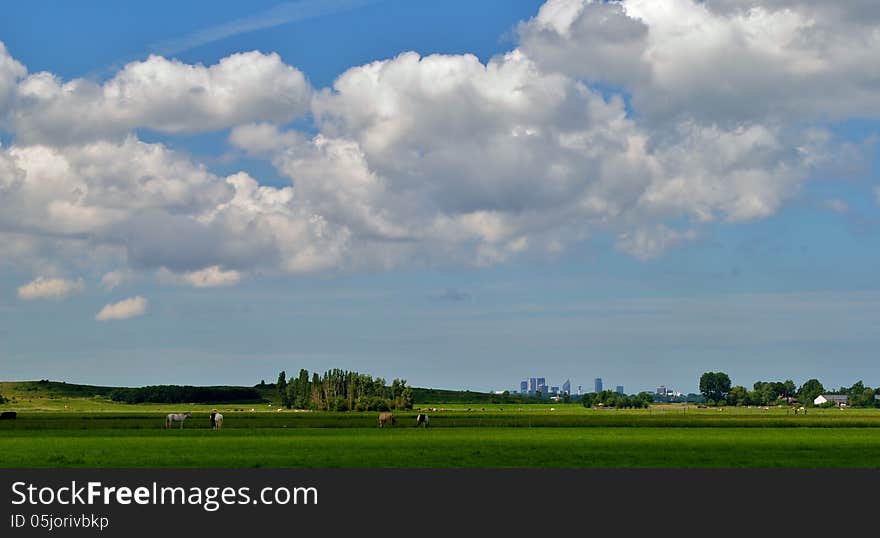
{"points": [[839, 399]]}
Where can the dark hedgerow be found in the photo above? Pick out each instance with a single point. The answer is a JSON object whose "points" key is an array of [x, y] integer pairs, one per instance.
{"points": [[185, 394]]}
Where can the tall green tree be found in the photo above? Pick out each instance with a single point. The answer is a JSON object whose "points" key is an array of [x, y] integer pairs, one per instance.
{"points": [[281, 387], [301, 390], [738, 395], [809, 391], [714, 385]]}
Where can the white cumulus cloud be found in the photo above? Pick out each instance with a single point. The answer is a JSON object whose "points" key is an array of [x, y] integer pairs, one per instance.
{"points": [[125, 309], [721, 60], [638, 120], [49, 288], [209, 277], [160, 94]]}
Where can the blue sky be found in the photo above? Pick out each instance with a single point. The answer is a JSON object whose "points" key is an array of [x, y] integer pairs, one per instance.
{"points": [[657, 224]]}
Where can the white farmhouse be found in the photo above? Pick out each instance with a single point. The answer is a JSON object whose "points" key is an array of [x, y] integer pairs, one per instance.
{"points": [[839, 399]]}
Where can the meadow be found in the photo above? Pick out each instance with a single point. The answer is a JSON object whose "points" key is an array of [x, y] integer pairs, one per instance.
{"points": [[94, 432]]}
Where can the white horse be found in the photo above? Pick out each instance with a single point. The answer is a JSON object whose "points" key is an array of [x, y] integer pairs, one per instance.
{"points": [[176, 417], [218, 421]]}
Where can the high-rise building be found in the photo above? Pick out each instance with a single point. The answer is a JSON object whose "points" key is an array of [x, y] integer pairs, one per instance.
{"points": [[566, 387], [661, 390], [597, 385], [619, 389], [542, 385], [533, 385], [580, 390], [554, 390], [523, 387]]}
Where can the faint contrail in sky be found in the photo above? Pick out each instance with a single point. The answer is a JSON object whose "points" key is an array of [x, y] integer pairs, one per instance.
{"points": [[276, 16]]}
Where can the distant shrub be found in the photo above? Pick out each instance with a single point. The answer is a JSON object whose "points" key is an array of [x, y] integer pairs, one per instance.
{"points": [[373, 403], [339, 404]]}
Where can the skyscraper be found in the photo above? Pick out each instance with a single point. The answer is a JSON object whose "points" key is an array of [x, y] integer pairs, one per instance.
{"points": [[523, 387], [598, 385], [533, 385], [566, 387], [542, 385], [619, 389]]}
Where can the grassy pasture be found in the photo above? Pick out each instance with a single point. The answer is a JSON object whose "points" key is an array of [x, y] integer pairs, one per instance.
{"points": [[62, 425], [98, 433], [151, 417], [449, 447]]}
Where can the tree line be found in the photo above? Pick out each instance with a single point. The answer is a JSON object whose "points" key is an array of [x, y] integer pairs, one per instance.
{"points": [[717, 389], [610, 398], [342, 390], [185, 394]]}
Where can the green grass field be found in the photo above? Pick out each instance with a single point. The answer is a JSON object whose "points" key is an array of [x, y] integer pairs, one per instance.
{"points": [[62, 431], [451, 447]]}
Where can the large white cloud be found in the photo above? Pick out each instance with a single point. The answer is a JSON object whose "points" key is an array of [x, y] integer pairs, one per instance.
{"points": [[159, 94], [159, 209], [87, 189], [443, 159], [720, 61], [11, 71]]}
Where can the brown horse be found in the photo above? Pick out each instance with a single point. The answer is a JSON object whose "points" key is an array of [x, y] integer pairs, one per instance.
{"points": [[385, 418]]}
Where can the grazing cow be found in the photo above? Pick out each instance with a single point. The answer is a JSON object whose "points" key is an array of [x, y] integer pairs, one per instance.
{"points": [[385, 418], [8, 415], [422, 420], [176, 417]]}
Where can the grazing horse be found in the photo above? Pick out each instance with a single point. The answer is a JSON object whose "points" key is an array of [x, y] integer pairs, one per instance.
{"points": [[385, 418], [176, 417], [422, 420], [216, 420]]}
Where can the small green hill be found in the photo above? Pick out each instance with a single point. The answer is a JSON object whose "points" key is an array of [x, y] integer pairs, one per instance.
{"points": [[51, 389], [45, 389]]}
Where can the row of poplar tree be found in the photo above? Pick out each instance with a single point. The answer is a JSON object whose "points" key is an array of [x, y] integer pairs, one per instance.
{"points": [[342, 390]]}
